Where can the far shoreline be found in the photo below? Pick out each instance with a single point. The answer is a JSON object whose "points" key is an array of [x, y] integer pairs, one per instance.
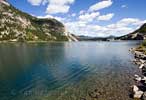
{"points": [[64, 41]]}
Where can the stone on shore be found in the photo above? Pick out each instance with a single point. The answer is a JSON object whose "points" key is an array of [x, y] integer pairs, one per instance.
{"points": [[142, 61], [144, 78], [137, 62], [138, 94], [138, 78], [141, 66], [140, 55], [135, 88]]}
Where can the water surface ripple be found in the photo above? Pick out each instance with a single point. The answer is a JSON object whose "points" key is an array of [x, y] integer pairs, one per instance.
{"points": [[66, 70]]}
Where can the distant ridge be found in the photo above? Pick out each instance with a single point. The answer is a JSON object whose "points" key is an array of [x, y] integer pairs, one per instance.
{"points": [[139, 34]]}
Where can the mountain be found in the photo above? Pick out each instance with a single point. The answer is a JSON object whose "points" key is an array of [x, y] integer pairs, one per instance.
{"points": [[139, 34], [89, 38], [16, 25]]}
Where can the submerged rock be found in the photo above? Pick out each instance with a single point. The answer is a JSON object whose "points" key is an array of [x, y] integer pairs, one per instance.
{"points": [[94, 94], [82, 98]]}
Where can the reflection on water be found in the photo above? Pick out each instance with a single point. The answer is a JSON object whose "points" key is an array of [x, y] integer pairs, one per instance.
{"points": [[66, 71]]}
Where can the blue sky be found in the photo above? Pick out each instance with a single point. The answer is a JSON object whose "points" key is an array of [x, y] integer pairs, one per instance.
{"points": [[89, 17]]}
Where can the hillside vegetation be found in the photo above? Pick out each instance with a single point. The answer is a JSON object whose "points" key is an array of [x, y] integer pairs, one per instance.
{"points": [[16, 25]]}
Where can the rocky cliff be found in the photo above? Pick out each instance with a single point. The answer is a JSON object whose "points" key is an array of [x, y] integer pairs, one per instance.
{"points": [[16, 25]]}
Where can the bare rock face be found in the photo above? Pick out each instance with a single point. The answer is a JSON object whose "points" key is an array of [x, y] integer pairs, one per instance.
{"points": [[20, 26]]}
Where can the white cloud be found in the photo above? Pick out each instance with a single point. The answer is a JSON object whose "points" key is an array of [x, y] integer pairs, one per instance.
{"points": [[81, 12], [124, 6], [59, 6], [46, 16], [53, 9], [35, 2], [61, 2], [44, 2], [87, 22], [89, 16], [54, 6], [55, 17], [130, 21], [106, 17], [73, 15], [121, 27], [101, 5]]}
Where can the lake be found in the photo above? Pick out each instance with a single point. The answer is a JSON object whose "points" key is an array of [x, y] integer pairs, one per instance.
{"points": [[66, 70]]}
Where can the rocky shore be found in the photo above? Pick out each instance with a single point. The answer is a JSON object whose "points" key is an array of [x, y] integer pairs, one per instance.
{"points": [[138, 90]]}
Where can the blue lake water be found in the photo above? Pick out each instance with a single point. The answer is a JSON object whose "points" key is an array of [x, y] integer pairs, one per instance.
{"points": [[66, 70]]}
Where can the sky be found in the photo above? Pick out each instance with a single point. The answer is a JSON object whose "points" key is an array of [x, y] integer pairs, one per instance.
{"points": [[97, 18]]}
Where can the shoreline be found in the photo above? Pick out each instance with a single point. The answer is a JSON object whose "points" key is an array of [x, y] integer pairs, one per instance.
{"points": [[33, 42], [138, 90]]}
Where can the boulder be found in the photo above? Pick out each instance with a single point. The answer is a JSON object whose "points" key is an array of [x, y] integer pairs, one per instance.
{"points": [[138, 94]]}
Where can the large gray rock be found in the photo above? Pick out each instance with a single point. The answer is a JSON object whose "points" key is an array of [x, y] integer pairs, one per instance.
{"points": [[137, 93]]}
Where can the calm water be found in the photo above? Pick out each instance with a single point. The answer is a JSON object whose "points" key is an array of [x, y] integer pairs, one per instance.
{"points": [[66, 71]]}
